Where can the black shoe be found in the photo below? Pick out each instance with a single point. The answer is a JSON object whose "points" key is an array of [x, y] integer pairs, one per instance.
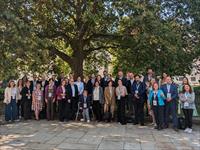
{"points": [[166, 126], [175, 129], [156, 127], [142, 124], [135, 123]]}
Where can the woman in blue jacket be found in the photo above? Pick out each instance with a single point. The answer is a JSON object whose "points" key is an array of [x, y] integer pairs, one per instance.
{"points": [[156, 100]]}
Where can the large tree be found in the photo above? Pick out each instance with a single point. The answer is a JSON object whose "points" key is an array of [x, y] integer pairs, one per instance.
{"points": [[137, 33]]}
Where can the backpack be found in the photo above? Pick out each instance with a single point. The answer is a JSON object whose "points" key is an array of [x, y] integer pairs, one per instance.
{"points": [[181, 123]]}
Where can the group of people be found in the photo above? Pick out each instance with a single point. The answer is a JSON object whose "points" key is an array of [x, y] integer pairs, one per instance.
{"points": [[101, 99]]}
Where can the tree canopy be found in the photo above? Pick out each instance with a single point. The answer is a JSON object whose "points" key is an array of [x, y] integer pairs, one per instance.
{"points": [[131, 34]]}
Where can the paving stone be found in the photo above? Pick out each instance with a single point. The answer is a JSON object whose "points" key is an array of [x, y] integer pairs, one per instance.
{"points": [[77, 146], [110, 145]]}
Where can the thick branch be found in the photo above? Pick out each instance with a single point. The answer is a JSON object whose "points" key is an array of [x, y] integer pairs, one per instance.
{"points": [[89, 50], [60, 54]]}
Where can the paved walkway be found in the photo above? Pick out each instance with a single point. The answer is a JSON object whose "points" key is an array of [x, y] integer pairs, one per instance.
{"points": [[75, 135]]}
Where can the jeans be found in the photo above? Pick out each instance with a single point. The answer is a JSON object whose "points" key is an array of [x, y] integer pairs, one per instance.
{"points": [[85, 114], [11, 110]]}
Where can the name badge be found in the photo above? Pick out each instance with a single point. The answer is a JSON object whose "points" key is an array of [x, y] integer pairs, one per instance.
{"points": [[29, 97], [42, 88], [169, 95], [118, 97], [85, 105], [39, 98], [154, 103], [50, 95], [136, 91], [186, 104]]}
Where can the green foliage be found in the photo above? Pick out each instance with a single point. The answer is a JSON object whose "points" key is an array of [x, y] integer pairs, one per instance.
{"points": [[138, 34]]}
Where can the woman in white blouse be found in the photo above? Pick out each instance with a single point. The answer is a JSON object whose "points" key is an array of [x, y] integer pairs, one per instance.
{"points": [[97, 100], [10, 101], [121, 93]]}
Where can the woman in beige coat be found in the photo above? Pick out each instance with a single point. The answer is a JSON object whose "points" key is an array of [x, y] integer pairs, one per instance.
{"points": [[109, 95]]}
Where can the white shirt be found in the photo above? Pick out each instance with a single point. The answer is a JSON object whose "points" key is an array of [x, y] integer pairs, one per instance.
{"points": [[13, 92], [96, 94]]}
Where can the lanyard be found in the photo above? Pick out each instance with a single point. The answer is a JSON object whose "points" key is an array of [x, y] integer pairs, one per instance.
{"points": [[168, 88], [187, 95], [137, 86], [155, 95]]}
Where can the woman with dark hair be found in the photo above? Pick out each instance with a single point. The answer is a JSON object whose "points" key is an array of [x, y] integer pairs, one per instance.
{"points": [[156, 100], [163, 79], [27, 100], [50, 96], [187, 98], [62, 101], [109, 95], [97, 97], [19, 99], [10, 101], [37, 102], [121, 93]]}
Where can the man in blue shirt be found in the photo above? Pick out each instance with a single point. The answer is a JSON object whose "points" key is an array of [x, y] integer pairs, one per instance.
{"points": [[171, 93]]}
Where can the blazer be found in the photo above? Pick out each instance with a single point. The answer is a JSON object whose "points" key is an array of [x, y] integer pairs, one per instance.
{"points": [[129, 86], [123, 81], [173, 91], [46, 92], [161, 99], [141, 89], [24, 92], [109, 99], [190, 100], [8, 94], [88, 101], [101, 98], [89, 87], [69, 91], [59, 91]]}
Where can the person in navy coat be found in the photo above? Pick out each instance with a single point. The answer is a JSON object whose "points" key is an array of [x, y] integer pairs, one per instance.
{"points": [[138, 91], [171, 94], [72, 98]]}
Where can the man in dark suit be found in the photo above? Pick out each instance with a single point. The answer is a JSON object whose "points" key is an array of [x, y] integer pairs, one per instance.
{"points": [[171, 93], [90, 85], [104, 80], [138, 91], [150, 74], [129, 84], [120, 76], [72, 97]]}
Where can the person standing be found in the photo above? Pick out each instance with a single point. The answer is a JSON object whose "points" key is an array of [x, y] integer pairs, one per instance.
{"points": [[27, 100], [85, 103], [50, 96], [187, 98], [171, 94], [139, 94], [120, 76], [121, 93], [104, 80], [97, 98], [90, 85], [72, 97], [156, 100], [37, 102], [19, 99], [80, 86], [63, 108], [109, 95], [129, 85], [10, 101]]}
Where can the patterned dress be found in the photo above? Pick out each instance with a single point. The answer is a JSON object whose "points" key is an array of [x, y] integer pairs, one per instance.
{"points": [[37, 103]]}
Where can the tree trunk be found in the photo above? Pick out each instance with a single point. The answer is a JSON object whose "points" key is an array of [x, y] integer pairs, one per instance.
{"points": [[77, 66]]}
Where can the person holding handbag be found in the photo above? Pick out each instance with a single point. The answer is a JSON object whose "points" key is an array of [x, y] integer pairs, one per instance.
{"points": [[187, 99]]}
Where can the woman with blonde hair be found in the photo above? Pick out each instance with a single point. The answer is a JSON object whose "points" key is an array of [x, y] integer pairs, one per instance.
{"points": [[109, 95], [10, 99]]}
